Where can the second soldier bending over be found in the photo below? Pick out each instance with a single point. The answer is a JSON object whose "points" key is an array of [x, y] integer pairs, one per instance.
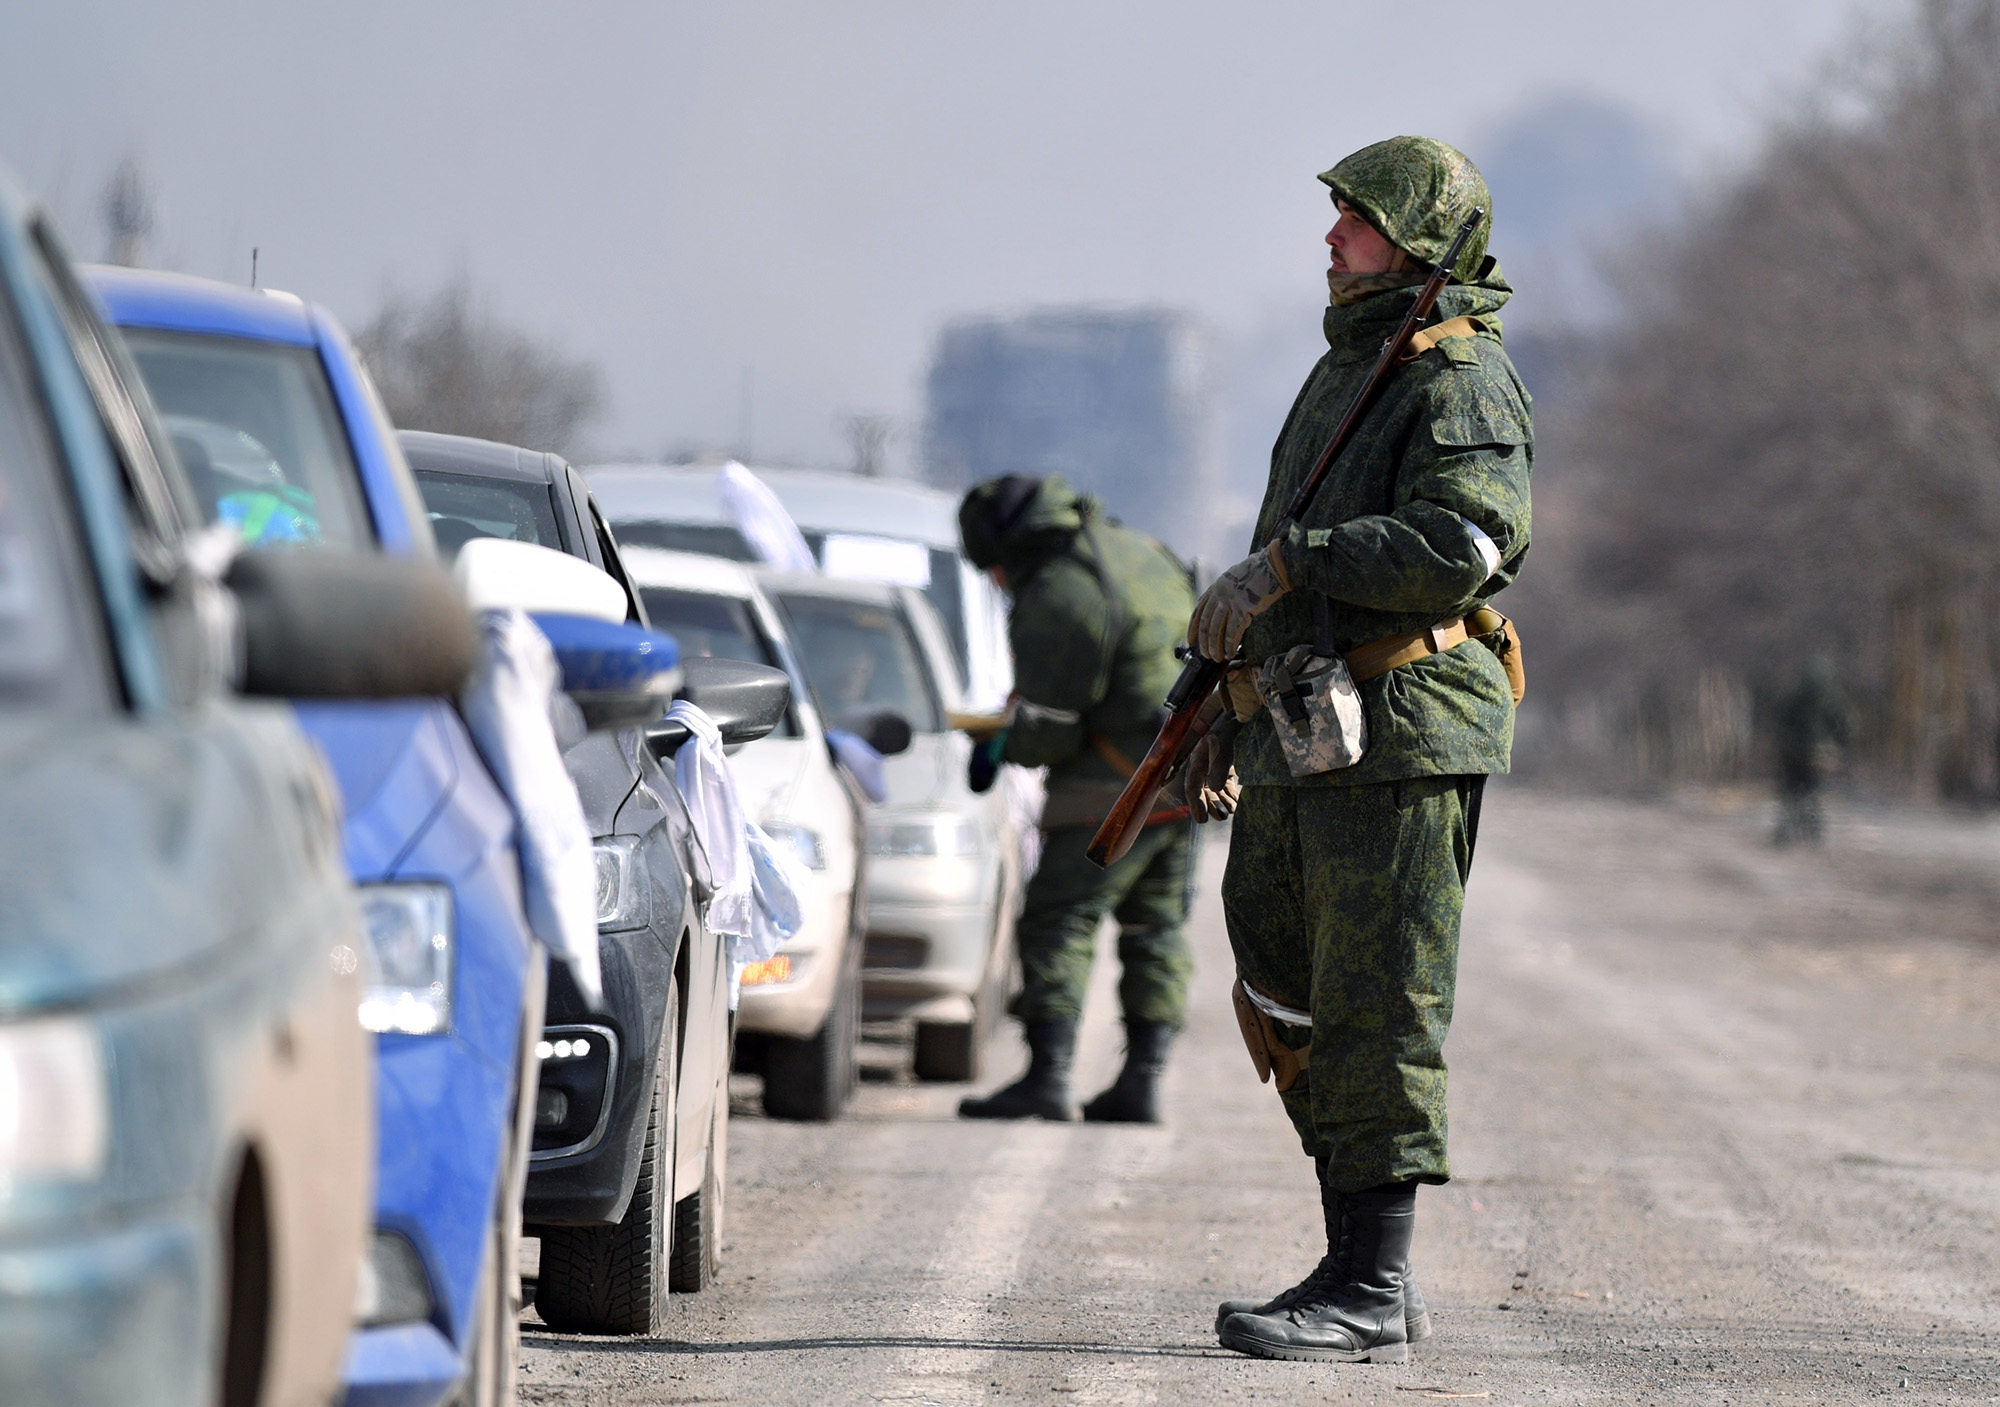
{"points": [[1098, 610]]}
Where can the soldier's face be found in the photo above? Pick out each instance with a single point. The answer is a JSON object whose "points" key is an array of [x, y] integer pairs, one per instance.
{"points": [[1356, 246]]}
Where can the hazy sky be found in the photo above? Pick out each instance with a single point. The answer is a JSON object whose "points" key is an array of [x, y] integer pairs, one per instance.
{"points": [[682, 191]]}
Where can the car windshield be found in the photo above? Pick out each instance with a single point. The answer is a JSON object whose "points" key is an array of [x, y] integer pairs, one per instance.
{"points": [[257, 430], [862, 660], [465, 506], [713, 627]]}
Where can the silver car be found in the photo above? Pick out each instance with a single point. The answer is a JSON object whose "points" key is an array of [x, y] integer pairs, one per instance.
{"points": [[943, 873]]}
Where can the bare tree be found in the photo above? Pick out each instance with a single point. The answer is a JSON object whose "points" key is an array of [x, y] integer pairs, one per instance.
{"points": [[1795, 446], [127, 208], [447, 363], [869, 434]]}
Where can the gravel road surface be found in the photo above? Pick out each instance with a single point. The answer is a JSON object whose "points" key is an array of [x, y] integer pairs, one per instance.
{"points": [[1725, 1119]]}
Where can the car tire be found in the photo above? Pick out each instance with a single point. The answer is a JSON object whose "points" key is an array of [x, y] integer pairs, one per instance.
{"points": [[698, 1216], [813, 1079], [614, 1279]]}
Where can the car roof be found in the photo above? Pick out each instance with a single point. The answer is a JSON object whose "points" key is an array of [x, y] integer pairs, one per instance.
{"points": [[688, 571], [818, 501], [486, 459], [183, 303]]}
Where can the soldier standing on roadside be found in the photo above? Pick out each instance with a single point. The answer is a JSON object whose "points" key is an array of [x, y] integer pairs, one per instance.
{"points": [[1344, 887], [1097, 612]]}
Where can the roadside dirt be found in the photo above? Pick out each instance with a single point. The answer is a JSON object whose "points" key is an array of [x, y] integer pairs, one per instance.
{"points": [[1726, 1129]]}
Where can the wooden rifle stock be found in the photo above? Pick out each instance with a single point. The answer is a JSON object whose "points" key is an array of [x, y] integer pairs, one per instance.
{"points": [[1183, 728], [1199, 677]]}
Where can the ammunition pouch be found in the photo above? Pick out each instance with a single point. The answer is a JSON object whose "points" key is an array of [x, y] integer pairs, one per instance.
{"points": [[1316, 710], [1270, 1055]]}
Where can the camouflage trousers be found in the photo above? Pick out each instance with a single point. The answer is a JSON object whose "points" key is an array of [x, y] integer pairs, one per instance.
{"points": [[1067, 899], [1345, 902]]}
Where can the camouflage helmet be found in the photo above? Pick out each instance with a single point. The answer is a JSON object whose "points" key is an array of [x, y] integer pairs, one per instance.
{"points": [[1417, 191]]}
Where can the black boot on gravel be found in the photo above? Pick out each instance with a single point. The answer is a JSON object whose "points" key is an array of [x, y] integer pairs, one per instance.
{"points": [[1042, 1093], [1416, 1315], [1351, 1311], [1134, 1097]]}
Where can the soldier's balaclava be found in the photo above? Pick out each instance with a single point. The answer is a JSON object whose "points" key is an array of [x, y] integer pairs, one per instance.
{"points": [[988, 510], [1415, 191]]}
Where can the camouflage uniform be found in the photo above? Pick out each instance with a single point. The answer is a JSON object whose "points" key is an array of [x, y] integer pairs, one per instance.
{"points": [[1343, 890], [1082, 694]]}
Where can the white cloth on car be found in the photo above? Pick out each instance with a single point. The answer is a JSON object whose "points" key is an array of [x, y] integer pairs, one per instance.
{"points": [[506, 707], [763, 521], [753, 901]]}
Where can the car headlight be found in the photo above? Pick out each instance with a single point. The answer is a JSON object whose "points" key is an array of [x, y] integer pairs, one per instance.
{"points": [[410, 937], [55, 1117], [620, 896], [803, 841], [935, 833]]}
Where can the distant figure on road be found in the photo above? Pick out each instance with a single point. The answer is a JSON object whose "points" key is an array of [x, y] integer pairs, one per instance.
{"points": [[1345, 883], [1097, 612], [1815, 724]]}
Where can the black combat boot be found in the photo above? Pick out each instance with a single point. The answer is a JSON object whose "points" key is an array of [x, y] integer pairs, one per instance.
{"points": [[1351, 1310], [1416, 1315], [1042, 1093], [1134, 1097]]}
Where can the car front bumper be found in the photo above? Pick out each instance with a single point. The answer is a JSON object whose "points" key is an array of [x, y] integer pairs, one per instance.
{"points": [[400, 1365], [931, 926], [113, 1316]]}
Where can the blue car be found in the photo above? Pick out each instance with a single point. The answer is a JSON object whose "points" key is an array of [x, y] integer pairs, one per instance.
{"points": [[186, 1096], [282, 437]]}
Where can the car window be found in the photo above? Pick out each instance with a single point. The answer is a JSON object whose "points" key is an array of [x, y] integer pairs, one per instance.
{"points": [[52, 649], [861, 659], [258, 434], [465, 506], [713, 627], [709, 539]]}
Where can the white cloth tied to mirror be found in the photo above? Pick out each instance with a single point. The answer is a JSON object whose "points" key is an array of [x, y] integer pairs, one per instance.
{"points": [[507, 708], [753, 901]]}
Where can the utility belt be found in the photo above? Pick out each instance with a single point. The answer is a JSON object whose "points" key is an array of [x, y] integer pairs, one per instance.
{"points": [[1311, 691]]}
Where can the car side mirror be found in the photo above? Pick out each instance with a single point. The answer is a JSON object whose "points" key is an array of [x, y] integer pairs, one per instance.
{"points": [[745, 700], [619, 676], [329, 625], [888, 732]]}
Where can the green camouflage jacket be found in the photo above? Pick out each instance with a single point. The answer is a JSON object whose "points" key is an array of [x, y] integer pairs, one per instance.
{"points": [[1388, 542], [1075, 682]]}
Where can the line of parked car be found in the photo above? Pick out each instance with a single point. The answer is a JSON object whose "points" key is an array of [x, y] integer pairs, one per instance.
{"points": [[286, 1071]]}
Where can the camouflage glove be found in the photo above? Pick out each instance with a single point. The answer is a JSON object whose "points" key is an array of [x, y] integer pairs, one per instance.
{"points": [[1225, 610], [1212, 789]]}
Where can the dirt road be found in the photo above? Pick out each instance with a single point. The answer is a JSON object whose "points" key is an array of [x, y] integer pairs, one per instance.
{"points": [[1725, 1123]]}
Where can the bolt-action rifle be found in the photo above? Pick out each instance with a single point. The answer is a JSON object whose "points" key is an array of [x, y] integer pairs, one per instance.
{"points": [[1188, 719]]}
